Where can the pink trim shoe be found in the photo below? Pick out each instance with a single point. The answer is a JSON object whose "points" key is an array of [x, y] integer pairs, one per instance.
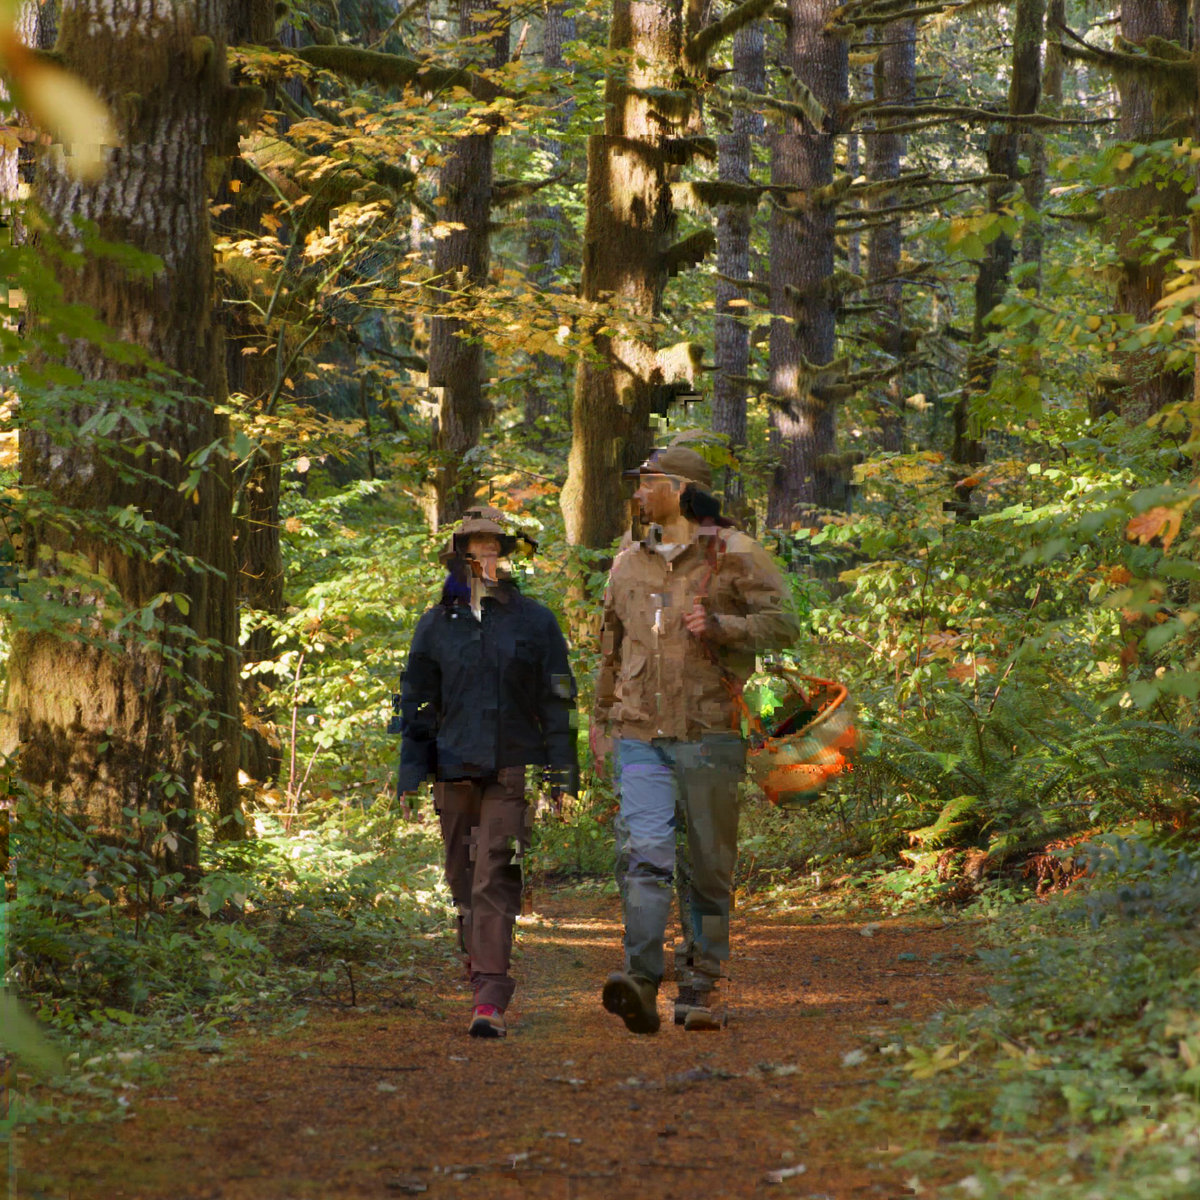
{"points": [[487, 1021]]}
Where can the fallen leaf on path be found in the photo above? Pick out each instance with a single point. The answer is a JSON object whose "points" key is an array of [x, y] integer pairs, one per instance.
{"points": [[783, 1173], [779, 1068]]}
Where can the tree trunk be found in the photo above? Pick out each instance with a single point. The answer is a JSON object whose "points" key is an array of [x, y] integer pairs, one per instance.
{"points": [[803, 420], [110, 720], [630, 221], [652, 126], [546, 222], [895, 83], [731, 351], [460, 265], [258, 483], [1052, 72], [1157, 208], [1003, 159]]}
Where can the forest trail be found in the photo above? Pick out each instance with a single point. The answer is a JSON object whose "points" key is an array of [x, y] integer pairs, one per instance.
{"points": [[396, 1100]]}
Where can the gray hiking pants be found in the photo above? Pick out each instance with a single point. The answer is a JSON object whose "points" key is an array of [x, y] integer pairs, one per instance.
{"points": [[702, 779]]}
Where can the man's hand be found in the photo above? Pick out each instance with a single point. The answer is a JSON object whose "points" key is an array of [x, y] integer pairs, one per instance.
{"points": [[600, 744], [700, 622]]}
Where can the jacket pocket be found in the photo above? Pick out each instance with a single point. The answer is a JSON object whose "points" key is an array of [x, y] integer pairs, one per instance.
{"points": [[633, 700]]}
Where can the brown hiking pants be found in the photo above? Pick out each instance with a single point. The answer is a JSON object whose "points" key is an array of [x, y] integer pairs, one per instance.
{"points": [[485, 828]]}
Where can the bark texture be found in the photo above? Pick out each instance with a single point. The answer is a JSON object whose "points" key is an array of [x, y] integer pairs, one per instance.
{"points": [[460, 265], [995, 269], [143, 720], [895, 83], [803, 298], [257, 482], [628, 231], [1157, 208], [731, 351]]}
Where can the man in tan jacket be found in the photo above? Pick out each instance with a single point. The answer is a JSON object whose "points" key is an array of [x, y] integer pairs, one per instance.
{"points": [[687, 608]]}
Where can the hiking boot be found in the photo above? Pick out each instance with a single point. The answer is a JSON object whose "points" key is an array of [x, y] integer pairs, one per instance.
{"points": [[700, 1017], [633, 1000], [684, 1003], [487, 1021]]}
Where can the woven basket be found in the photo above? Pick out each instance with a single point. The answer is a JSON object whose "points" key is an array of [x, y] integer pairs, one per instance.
{"points": [[795, 757]]}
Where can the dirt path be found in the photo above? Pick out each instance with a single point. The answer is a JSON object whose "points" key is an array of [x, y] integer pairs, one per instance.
{"points": [[569, 1106]]}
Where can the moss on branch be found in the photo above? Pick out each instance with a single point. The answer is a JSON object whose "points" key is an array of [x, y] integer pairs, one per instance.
{"points": [[682, 150], [689, 251], [509, 191], [1167, 63], [812, 199], [698, 195], [878, 15], [755, 286], [881, 187], [962, 112], [803, 107], [699, 47], [395, 70]]}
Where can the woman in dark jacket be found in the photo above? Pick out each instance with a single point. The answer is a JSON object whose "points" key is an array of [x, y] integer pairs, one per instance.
{"points": [[487, 692]]}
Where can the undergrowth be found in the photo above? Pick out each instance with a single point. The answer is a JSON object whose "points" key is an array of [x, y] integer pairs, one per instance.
{"points": [[121, 960], [1080, 1079]]}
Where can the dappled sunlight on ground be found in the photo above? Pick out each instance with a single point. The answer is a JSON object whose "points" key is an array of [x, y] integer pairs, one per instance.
{"points": [[377, 1102]]}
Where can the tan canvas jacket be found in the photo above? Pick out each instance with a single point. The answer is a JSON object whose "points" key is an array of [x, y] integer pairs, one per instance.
{"points": [[656, 679]]}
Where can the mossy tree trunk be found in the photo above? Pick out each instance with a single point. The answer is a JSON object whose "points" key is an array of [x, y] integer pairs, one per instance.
{"points": [[651, 127], [630, 222], [895, 80], [1138, 214], [460, 265], [257, 485], [995, 268], [803, 299], [140, 720], [731, 349]]}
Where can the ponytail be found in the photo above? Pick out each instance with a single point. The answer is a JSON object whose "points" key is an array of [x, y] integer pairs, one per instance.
{"points": [[702, 507]]}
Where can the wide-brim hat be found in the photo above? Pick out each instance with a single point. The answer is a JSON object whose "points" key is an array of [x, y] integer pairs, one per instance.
{"points": [[483, 519], [678, 461]]}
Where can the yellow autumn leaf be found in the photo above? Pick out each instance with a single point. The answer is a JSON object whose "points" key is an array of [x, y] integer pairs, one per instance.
{"points": [[959, 228], [1125, 161], [1092, 322], [1183, 295]]}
